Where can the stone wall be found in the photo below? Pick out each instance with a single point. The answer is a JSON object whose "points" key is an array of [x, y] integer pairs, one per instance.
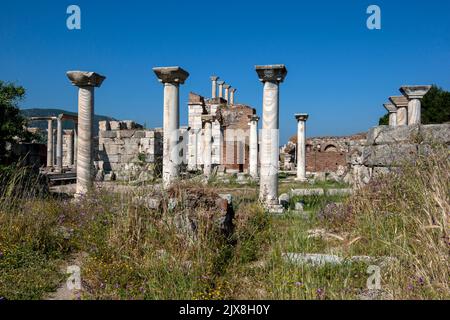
{"points": [[387, 148], [128, 152]]}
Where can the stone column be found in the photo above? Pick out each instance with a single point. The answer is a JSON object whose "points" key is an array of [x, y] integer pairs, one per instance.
{"points": [[227, 91], [59, 145], [301, 146], [414, 95], [75, 145], [50, 144], [392, 109], [232, 92], [207, 121], [220, 83], [253, 147], [171, 78], [271, 76], [86, 82], [401, 103], [70, 148], [214, 86]]}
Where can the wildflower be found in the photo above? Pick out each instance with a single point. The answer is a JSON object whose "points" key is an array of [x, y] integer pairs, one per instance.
{"points": [[298, 284], [320, 293], [421, 281]]}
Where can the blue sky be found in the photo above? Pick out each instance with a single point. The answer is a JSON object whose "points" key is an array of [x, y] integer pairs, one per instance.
{"points": [[339, 71]]}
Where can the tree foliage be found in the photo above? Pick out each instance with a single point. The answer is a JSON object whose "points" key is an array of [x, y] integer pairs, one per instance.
{"points": [[12, 123], [435, 107]]}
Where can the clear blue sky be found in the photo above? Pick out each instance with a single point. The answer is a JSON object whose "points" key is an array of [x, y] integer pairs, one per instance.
{"points": [[339, 71]]}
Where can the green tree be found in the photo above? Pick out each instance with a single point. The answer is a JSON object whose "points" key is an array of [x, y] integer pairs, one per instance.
{"points": [[435, 107], [12, 123]]}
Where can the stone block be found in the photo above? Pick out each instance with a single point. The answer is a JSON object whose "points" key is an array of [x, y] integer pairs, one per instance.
{"points": [[307, 192], [108, 134], [339, 192], [388, 155], [116, 125], [125, 134], [284, 200], [103, 126], [392, 135], [436, 133]]}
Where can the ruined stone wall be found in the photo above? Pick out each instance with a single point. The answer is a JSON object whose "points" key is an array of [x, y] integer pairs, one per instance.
{"points": [[128, 152], [387, 148]]}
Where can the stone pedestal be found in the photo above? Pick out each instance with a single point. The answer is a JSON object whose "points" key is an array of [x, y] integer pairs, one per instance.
{"points": [[50, 144], [253, 147], [392, 109], [214, 86], [171, 78], [271, 76], [86, 82], [207, 121], [59, 145], [301, 146], [414, 94], [401, 103]]}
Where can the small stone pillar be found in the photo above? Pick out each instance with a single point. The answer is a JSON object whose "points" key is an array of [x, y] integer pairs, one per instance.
{"points": [[171, 78], [414, 95], [271, 76], [232, 92], [86, 82], [227, 92], [50, 144], [75, 145], [220, 83], [253, 147], [301, 146], [214, 86], [70, 148], [392, 109], [207, 121], [59, 145], [401, 103]]}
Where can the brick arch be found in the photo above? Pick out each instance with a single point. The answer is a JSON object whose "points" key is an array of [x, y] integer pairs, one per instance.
{"points": [[330, 148]]}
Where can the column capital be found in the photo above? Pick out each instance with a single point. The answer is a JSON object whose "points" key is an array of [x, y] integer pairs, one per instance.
{"points": [[414, 92], [226, 86], [233, 90], [220, 82], [301, 116], [399, 101], [174, 75], [85, 78], [271, 73], [214, 78], [390, 107]]}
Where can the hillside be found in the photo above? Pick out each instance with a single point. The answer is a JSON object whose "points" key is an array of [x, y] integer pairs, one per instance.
{"points": [[35, 112]]}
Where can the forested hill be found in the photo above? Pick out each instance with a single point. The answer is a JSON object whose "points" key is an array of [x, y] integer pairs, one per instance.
{"points": [[54, 112]]}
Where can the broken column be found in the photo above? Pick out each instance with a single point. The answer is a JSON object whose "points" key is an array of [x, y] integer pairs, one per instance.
{"points": [[86, 82], [214, 86], [271, 76], [227, 92], [59, 144], [50, 143], [221, 83], [401, 103], [414, 95], [392, 109], [301, 146], [171, 78], [207, 121], [232, 92], [253, 147]]}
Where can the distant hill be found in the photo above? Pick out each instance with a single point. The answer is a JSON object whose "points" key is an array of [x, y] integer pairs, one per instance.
{"points": [[55, 112]]}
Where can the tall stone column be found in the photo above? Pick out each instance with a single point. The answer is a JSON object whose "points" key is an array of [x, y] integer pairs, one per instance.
{"points": [[75, 145], [221, 83], [232, 92], [253, 147], [392, 109], [227, 92], [207, 121], [271, 76], [86, 82], [214, 86], [50, 144], [70, 148], [171, 78], [301, 146], [414, 95], [401, 103], [59, 145]]}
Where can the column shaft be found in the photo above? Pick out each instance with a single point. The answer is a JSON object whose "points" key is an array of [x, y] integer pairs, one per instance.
{"points": [[59, 145], [253, 149], [301, 151], [414, 111], [70, 149], [171, 157], [402, 116], [393, 119], [50, 144], [207, 155]]}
